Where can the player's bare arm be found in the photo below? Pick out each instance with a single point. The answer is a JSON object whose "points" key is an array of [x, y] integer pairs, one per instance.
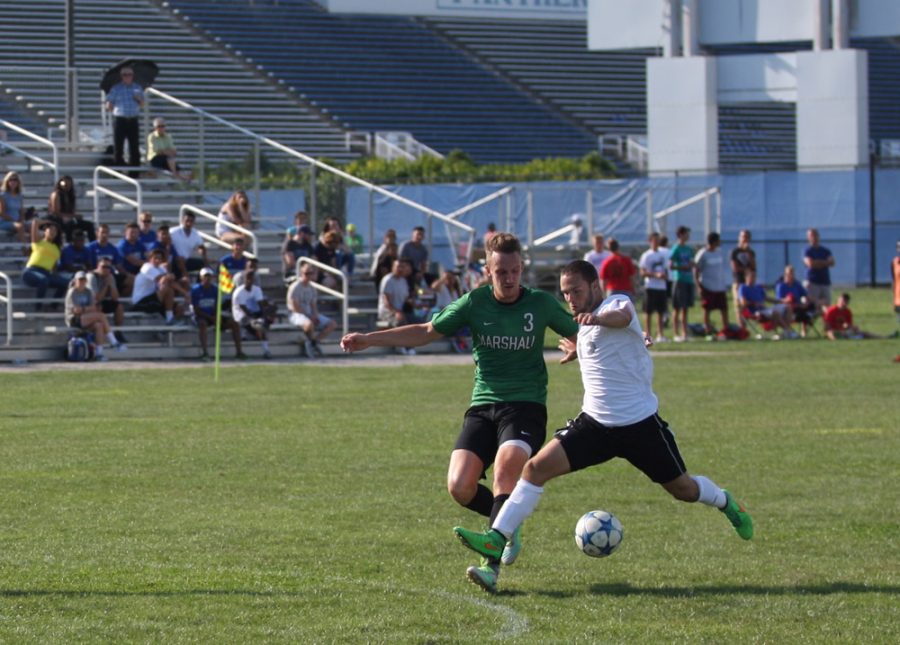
{"points": [[616, 319], [406, 336]]}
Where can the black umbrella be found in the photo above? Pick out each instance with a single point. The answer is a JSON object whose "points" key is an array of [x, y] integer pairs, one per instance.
{"points": [[145, 72]]}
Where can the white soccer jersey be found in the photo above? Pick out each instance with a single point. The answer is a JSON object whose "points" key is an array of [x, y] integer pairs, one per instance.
{"points": [[616, 369]]}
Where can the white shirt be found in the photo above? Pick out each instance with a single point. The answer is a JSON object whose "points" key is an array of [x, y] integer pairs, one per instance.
{"points": [[303, 296], [616, 369], [596, 258], [397, 291], [656, 262], [715, 271], [185, 244], [145, 281], [250, 298]]}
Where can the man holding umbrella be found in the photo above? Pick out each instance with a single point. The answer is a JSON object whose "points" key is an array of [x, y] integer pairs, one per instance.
{"points": [[125, 100]]}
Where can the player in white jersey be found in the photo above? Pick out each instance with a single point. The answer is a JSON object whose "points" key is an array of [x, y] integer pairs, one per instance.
{"points": [[619, 416]]}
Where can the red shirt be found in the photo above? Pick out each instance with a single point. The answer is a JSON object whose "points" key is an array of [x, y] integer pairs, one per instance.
{"points": [[616, 272], [837, 319]]}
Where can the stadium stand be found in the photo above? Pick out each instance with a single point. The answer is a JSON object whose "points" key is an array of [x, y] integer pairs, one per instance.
{"points": [[380, 73]]}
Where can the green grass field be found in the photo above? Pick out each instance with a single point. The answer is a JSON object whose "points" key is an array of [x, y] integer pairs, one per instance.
{"points": [[299, 503]]}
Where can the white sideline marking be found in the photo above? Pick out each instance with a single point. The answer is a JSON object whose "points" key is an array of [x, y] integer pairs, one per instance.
{"points": [[515, 624]]}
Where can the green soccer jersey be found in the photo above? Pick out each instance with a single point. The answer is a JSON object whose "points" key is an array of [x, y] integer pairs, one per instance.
{"points": [[508, 341]]}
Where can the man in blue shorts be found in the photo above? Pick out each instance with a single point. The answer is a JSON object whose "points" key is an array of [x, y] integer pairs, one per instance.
{"points": [[619, 416], [507, 420]]}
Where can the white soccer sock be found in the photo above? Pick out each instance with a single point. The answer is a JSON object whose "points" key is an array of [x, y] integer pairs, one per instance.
{"points": [[518, 507], [710, 493], [170, 315], [111, 337]]}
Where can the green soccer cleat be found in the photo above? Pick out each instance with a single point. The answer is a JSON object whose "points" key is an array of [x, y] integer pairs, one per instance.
{"points": [[489, 544], [485, 575], [738, 517], [512, 548]]}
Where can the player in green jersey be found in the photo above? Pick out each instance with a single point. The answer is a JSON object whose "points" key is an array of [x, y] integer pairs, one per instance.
{"points": [[507, 419]]}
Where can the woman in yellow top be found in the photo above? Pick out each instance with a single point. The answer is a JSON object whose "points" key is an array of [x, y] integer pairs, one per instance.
{"points": [[41, 269], [161, 151]]}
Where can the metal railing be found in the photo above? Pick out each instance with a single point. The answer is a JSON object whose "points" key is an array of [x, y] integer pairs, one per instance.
{"points": [[403, 145], [136, 203], [705, 196], [8, 300], [54, 151], [343, 295], [188, 208], [631, 148], [315, 164]]}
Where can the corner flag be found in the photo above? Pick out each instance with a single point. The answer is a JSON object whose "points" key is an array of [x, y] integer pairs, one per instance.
{"points": [[226, 284]]}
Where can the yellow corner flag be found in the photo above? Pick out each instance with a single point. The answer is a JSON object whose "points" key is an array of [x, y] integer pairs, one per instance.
{"points": [[226, 284]]}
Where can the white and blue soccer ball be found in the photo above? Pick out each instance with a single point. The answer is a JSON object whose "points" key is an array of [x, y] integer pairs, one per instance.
{"points": [[598, 533]]}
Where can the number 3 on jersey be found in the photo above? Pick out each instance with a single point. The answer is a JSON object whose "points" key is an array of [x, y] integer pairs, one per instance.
{"points": [[529, 322]]}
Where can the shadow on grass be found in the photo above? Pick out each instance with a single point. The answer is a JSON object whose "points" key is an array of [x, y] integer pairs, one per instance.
{"points": [[625, 589], [74, 593]]}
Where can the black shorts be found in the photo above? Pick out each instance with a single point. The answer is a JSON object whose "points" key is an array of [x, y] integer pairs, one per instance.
{"points": [[487, 427], [683, 295], [108, 305], [149, 304], [648, 445], [655, 301]]}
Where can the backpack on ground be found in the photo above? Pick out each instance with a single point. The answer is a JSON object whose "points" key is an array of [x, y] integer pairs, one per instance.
{"points": [[79, 349]]}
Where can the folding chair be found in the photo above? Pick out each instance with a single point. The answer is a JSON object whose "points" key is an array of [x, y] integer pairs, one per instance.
{"points": [[758, 324]]}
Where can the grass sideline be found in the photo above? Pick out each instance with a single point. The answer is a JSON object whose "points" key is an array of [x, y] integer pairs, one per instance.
{"points": [[294, 503]]}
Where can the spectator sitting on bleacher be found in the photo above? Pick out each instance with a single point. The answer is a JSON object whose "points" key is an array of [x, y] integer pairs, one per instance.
{"points": [[161, 151], [12, 206], [82, 313], [354, 240], [235, 261], [346, 258], [75, 256], [326, 252], [146, 235], [384, 257], [102, 248], [62, 209], [301, 218], [102, 282], [415, 250], [186, 241], [176, 262], [235, 210], [839, 321], [302, 302], [789, 291], [132, 251], [753, 299], [203, 306], [394, 301], [154, 290], [295, 247], [41, 269], [252, 311]]}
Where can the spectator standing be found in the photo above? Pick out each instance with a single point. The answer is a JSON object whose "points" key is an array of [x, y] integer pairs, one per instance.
{"points": [[818, 260], [252, 311], [415, 250], [299, 245], [130, 248], [125, 100], [791, 293], [12, 206], [203, 308], [302, 303], [102, 248], [654, 264], [161, 151], [617, 273], [743, 258], [189, 244], [146, 235], [597, 256], [154, 290], [711, 272], [41, 268], [102, 283], [75, 256], [681, 261], [62, 208], [82, 313], [839, 321], [752, 298], [235, 210]]}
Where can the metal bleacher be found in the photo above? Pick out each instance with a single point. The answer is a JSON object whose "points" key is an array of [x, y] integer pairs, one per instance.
{"points": [[385, 73]]}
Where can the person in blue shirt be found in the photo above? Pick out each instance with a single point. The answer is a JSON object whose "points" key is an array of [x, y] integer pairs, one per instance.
{"points": [[791, 293], [753, 300], [235, 261], [203, 307], [76, 256], [125, 100], [818, 260], [146, 236], [131, 249], [102, 248]]}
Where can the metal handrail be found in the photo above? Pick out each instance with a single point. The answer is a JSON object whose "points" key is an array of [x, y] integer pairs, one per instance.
{"points": [[343, 295], [137, 203], [8, 299], [552, 235], [702, 196], [312, 161], [46, 142], [188, 208]]}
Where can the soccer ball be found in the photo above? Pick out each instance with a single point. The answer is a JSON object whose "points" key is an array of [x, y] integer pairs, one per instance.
{"points": [[598, 533]]}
